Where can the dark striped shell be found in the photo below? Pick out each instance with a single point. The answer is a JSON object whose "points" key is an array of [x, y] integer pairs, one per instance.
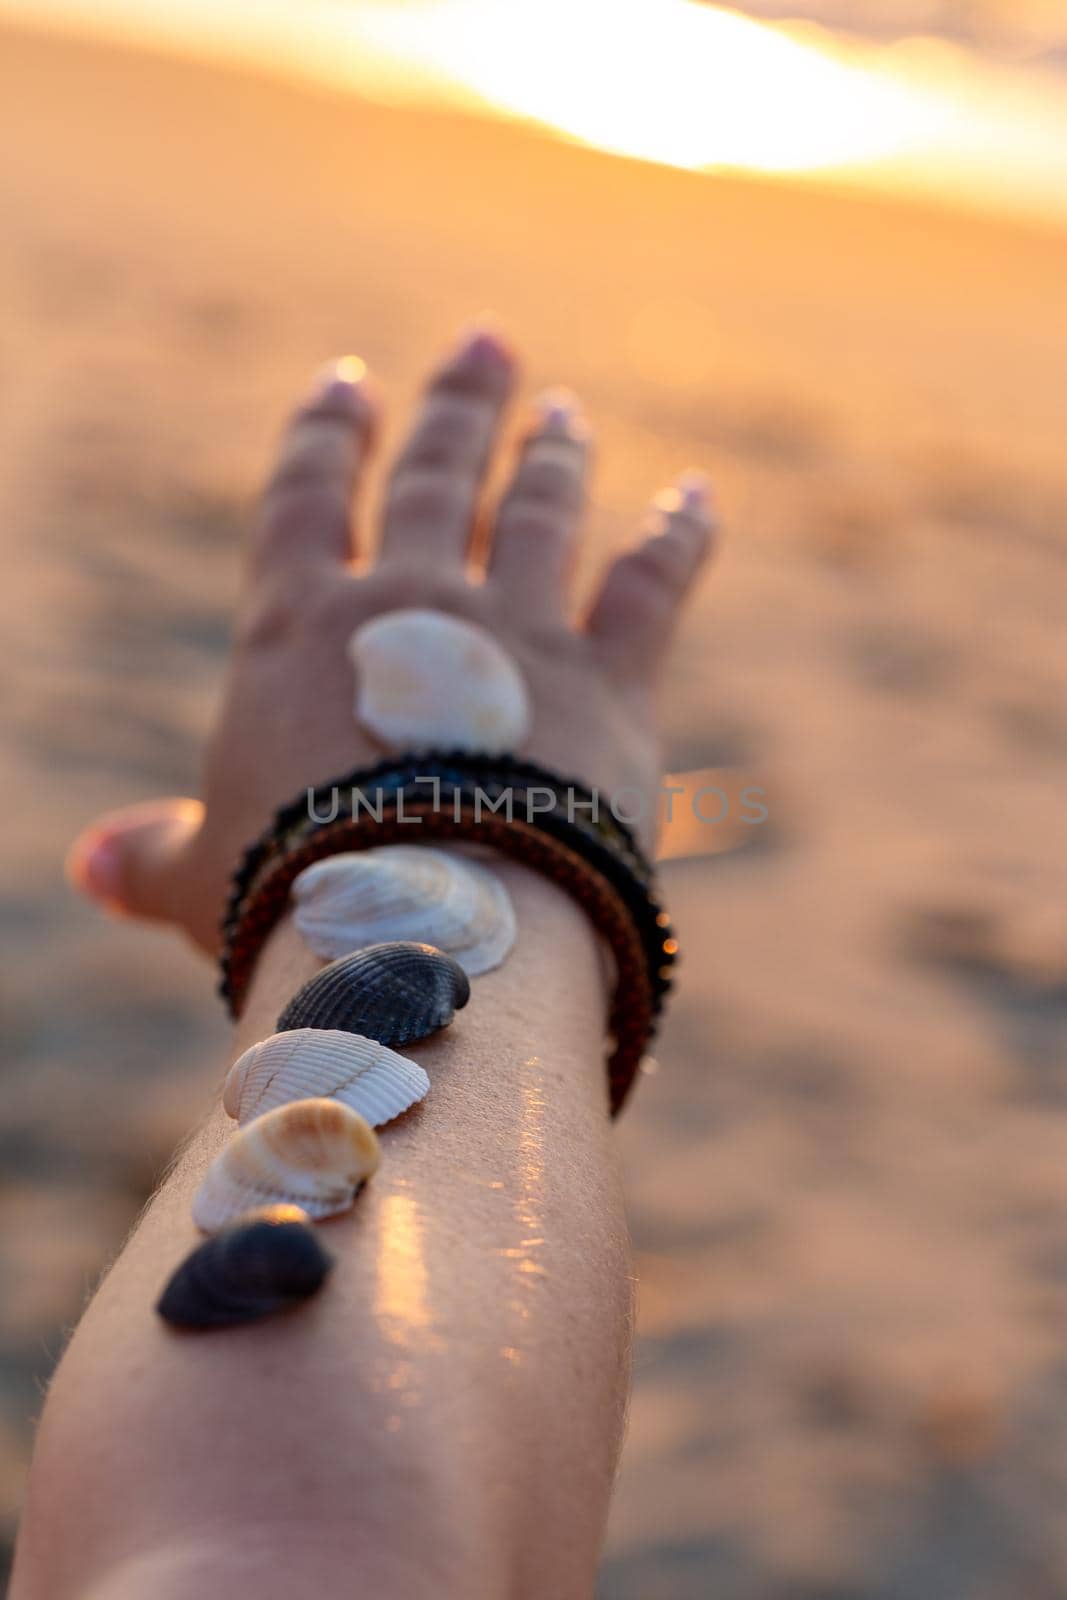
{"points": [[394, 993], [264, 1262]]}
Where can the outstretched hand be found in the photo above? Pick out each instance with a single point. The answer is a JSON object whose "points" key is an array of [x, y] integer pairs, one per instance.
{"points": [[286, 719]]}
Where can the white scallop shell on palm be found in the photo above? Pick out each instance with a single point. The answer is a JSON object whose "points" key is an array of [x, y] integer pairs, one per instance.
{"points": [[313, 1153], [425, 678], [323, 1062], [399, 891]]}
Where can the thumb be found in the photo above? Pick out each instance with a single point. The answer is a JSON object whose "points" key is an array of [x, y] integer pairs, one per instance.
{"points": [[130, 861]]}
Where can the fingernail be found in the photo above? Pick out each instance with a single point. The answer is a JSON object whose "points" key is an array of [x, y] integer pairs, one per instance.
{"points": [[98, 869], [694, 492], [482, 343], [560, 412], [338, 380]]}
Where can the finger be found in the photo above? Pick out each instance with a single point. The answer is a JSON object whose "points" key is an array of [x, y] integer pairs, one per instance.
{"points": [[533, 539], [636, 612], [429, 508], [132, 861], [305, 520]]}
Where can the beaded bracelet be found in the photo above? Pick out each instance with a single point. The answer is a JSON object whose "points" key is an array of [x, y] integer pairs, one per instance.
{"points": [[478, 799]]}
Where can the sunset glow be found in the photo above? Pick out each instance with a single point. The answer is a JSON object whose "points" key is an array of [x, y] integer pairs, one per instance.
{"points": [[676, 82], [664, 80]]}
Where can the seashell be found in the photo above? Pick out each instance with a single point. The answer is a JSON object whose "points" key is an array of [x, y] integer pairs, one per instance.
{"points": [[266, 1261], [327, 1063], [390, 992], [310, 1153], [425, 678], [401, 891]]}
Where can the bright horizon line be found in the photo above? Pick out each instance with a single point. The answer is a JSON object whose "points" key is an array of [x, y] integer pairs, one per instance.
{"points": [[923, 118]]}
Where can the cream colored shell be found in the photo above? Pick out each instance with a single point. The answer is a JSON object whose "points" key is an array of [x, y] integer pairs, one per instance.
{"points": [[314, 1154], [424, 678], [361, 1073], [398, 891]]}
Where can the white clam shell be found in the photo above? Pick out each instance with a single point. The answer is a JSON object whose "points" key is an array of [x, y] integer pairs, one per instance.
{"points": [[362, 1074], [425, 678], [310, 1153], [399, 891]]}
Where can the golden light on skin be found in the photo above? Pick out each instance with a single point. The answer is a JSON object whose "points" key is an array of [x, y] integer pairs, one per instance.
{"points": [[401, 1306], [400, 1299], [522, 1257], [350, 369]]}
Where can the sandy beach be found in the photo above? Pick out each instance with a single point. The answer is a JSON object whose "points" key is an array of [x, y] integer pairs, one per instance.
{"points": [[847, 1178]]}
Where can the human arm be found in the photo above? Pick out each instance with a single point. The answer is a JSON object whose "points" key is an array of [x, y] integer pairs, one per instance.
{"points": [[445, 1417]]}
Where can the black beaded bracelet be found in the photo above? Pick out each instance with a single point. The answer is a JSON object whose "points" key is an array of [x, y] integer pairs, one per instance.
{"points": [[554, 825]]}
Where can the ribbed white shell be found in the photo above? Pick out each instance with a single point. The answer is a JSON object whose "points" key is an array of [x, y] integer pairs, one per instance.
{"points": [[398, 891], [309, 1062], [310, 1153], [425, 678]]}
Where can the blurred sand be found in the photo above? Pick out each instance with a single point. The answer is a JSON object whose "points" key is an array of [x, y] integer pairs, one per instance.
{"points": [[848, 1180]]}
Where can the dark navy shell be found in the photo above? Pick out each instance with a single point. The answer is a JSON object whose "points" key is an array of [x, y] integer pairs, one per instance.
{"points": [[244, 1272], [394, 993]]}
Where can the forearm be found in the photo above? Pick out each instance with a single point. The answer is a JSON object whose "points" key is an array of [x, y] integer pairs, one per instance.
{"points": [[444, 1418]]}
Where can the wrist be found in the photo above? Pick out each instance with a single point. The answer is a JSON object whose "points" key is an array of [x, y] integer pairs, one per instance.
{"points": [[594, 858], [554, 938]]}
